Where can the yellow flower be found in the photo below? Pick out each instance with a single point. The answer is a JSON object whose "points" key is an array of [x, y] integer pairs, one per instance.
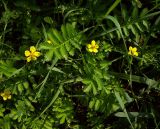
{"points": [[133, 51], [6, 95], [93, 47], [49, 41], [32, 54]]}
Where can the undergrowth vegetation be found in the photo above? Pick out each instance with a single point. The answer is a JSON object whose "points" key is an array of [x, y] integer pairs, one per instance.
{"points": [[79, 64]]}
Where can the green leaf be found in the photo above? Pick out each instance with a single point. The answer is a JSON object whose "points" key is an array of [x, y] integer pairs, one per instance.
{"points": [[48, 20], [57, 70], [135, 13], [52, 37], [57, 54], [28, 103], [53, 99], [125, 30], [97, 104], [121, 103], [133, 29], [63, 51], [49, 55], [1, 110], [91, 103], [139, 26], [115, 21], [144, 12], [94, 89], [62, 120], [88, 88], [70, 30], [26, 85], [68, 46], [75, 44], [20, 87], [7, 122], [145, 23], [58, 35], [105, 64], [45, 46], [150, 82], [112, 7], [99, 82], [64, 32]]}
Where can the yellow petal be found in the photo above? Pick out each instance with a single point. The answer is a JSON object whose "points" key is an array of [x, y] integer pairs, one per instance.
{"points": [[93, 43], [134, 49], [135, 53], [95, 50], [90, 50], [89, 46], [9, 97], [96, 46], [34, 58], [27, 53], [2, 94], [32, 49], [28, 59], [130, 48], [129, 53], [37, 54], [4, 98]]}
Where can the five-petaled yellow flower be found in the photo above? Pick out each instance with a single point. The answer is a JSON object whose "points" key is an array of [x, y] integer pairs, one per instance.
{"points": [[133, 51], [93, 47], [6, 94], [32, 54]]}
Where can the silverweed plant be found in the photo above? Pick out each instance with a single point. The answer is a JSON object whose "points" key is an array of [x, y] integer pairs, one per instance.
{"points": [[85, 64]]}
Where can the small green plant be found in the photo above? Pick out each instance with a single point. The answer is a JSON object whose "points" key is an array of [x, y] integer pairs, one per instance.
{"points": [[79, 64]]}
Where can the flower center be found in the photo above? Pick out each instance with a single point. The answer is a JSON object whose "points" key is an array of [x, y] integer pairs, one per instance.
{"points": [[32, 54], [93, 46]]}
